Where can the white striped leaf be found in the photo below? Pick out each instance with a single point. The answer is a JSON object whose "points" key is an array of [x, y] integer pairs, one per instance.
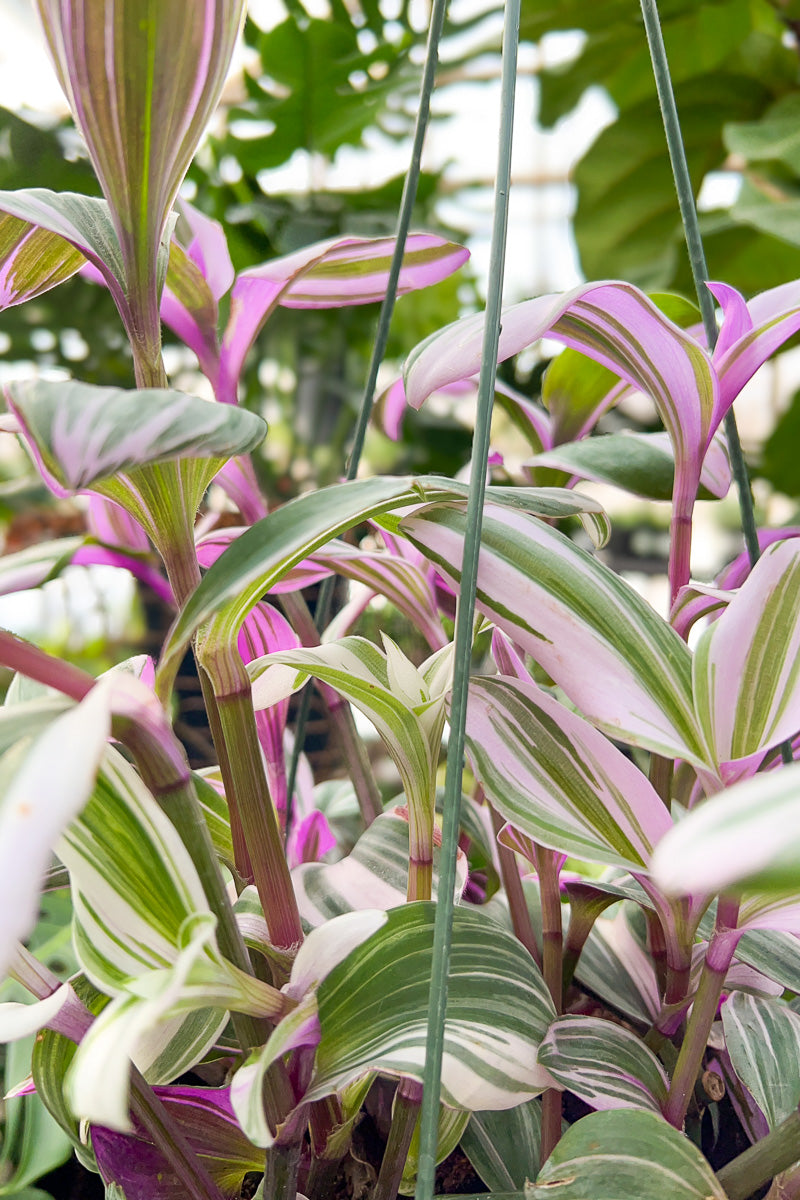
{"points": [[614, 324], [38, 802], [406, 706], [747, 663], [32, 260], [258, 560], [555, 777], [33, 566], [604, 1064], [625, 1155], [763, 1039], [775, 953], [373, 1011], [373, 875], [616, 659], [81, 434], [745, 836], [504, 1147], [615, 965]]}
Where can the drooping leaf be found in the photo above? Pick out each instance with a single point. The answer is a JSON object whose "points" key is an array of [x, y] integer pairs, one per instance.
{"points": [[763, 1039], [552, 775], [373, 1011], [80, 433], [624, 667], [615, 966], [604, 1064], [452, 1122], [32, 260], [625, 1155]]}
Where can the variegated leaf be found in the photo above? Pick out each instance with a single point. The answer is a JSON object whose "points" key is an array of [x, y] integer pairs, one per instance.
{"points": [[373, 875], [142, 80], [625, 1155], [615, 966], [747, 835], [331, 274], [762, 1037], [747, 663], [504, 1147], [452, 1123], [80, 434], [552, 775], [373, 1011], [38, 803], [616, 659], [604, 1064], [32, 260]]}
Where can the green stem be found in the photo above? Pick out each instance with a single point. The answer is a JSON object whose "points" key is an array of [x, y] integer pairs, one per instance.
{"points": [[515, 894], [405, 1111], [772, 1154], [247, 792], [434, 1046], [697, 258], [719, 955]]}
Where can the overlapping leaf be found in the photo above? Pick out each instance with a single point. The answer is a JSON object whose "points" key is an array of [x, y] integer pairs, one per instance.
{"points": [[604, 1064], [763, 1039], [32, 260], [504, 1147], [621, 664], [555, 777]]}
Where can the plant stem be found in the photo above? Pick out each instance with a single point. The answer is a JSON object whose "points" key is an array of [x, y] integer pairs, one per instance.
{"points": [[552, 971], [246, 790], [719, 955], [405, 1110], [515, 894], [767, 1158], [170, 1140], [280, 1176], [434, 1046]]}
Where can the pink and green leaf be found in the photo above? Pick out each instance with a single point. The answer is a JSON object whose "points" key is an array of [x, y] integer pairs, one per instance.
{"points": [[604, 1064], [32, 260], [554, 776], [616, 659]]}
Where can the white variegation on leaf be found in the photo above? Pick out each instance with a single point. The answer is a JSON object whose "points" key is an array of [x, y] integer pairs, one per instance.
{"points": [[38, 803], [555, 777], [81, 434], [747, 663], [404, 703], [762, 1037], [604, 1064], [616, 659]]}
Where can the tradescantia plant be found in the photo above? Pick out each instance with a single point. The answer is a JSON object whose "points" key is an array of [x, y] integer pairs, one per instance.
{"points": [[257, 959]]}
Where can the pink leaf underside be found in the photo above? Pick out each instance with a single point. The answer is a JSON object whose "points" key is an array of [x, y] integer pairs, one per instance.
{"points": [[775, 317], [111, 524], [315, 278], [208, 249], [734, 575], [393, 405], [613, 323], [265, 631], [310, 840]]}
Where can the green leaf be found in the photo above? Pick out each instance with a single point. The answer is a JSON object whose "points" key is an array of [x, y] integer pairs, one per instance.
{"points": [[763, 1039], [373, 1011], [452, 1122], [774, 137], [625, 1155], [616, 966], [616, 659], [642, 463], [779, 462], [32, 260], [604, 1064], [504, 1147]]}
